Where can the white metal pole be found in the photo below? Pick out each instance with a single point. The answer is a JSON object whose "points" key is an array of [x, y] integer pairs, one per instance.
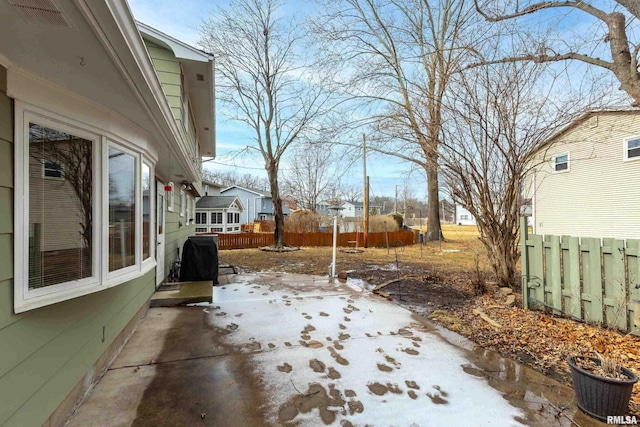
{"points": [[335, 243]]}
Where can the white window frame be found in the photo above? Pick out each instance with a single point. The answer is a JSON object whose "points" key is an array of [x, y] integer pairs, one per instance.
{"points": [[53, 178], [108, 143], [554, 164], [26, 299], [625, 148], [183, 203], [149, 262], [200, 214]]}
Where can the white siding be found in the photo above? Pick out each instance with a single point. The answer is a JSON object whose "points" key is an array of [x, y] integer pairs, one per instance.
{"points": [[464, 217], [599, 195]]}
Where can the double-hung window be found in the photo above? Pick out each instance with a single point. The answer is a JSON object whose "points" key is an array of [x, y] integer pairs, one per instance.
{"points": [[83, 210], [561, 163], [201, 217], [632, 149]]}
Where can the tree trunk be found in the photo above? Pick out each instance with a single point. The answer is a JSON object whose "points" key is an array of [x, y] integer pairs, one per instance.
{"points": [[503, 257], [434, 228], [278, 234]]}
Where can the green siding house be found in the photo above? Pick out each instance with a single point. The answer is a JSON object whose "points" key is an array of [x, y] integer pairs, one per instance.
{"points": [[103, 123]]}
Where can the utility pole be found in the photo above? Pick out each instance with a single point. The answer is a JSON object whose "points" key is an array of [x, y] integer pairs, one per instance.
{"points": [[365, 203]]}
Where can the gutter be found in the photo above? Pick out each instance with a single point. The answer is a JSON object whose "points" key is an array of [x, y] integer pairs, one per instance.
{"points": [[143, 79]]}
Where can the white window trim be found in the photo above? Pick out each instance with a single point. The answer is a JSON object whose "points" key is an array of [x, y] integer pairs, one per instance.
{"points": [[625, 149], [108, 143], [53, 178], [183, 203], [553, 162], [150, 261], [26, 299]]}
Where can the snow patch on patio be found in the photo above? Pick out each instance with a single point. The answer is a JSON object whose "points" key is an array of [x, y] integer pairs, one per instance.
{"points": [[335, 354]]}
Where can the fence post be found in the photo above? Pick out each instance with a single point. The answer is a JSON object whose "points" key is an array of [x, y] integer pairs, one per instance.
{"points": [[524, 259]]}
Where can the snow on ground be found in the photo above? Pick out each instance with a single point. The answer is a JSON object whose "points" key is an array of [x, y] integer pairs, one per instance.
{"points": [[332, 353]]}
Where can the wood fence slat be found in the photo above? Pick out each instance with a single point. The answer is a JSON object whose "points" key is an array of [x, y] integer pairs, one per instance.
{"points": [[615, 297], [571, 275], [633, 265], [536, 266], [592, 279], [552, 281]]}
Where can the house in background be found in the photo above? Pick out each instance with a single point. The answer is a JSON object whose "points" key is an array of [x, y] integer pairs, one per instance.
{"points": [[464, 217], [218, 214], [210, 188], [103, 122], [349, 209], [585, 178], [258, 204]]}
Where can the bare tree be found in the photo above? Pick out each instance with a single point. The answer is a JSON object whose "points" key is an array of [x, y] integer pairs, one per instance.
{"points": [[229, 178], [312, 175], [398, 57], [264, 83], [350, 192], [498, 118], [613, 25], [74, 156]]}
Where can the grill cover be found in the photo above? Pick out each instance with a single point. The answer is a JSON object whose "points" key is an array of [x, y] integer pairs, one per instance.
{"points": [[199, 259]]}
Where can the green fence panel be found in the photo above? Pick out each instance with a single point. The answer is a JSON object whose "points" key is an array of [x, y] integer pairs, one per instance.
{"points": [[552, 281], [524, 261], [633, 266], [592, 280], [571, 276], [536, 269], [615, 295]]}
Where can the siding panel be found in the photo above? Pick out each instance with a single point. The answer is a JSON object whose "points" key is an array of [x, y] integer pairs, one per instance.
{"points": [[598, 196], [175, 235], [76, 329]]}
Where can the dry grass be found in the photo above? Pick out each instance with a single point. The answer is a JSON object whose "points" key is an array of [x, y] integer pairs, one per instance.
{"points": [[458, 254]]}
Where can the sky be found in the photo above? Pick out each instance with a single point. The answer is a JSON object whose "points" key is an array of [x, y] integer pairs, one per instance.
{"points": [[181, 20]]}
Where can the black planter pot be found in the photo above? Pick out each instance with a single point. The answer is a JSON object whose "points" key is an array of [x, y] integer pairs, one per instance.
{"points": [[599, 396]]}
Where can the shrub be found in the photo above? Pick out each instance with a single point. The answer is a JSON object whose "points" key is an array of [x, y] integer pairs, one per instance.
{"points": [[398, 219], [381, 223], [302, 221]]}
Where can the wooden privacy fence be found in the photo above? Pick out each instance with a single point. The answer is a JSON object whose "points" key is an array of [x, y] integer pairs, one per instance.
{"points": [[594, 280], [256, 240]]}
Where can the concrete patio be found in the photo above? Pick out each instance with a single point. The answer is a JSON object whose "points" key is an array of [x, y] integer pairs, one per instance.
{"points": [[280, 349]]}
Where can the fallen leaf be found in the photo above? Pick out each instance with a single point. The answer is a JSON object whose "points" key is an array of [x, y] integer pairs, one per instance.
{"points": [[232, 382]]}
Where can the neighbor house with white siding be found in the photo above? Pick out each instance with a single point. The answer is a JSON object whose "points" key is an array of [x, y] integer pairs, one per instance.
{"points": [[218, 214], [585, 179], [464, 217]]}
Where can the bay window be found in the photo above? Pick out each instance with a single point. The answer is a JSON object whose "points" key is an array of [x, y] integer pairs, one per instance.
{"points": [[83, 209]]}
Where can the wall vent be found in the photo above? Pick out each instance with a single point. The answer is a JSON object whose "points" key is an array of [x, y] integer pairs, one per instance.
{"points": [[592, 122], [200, 77], [39, 12]]}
